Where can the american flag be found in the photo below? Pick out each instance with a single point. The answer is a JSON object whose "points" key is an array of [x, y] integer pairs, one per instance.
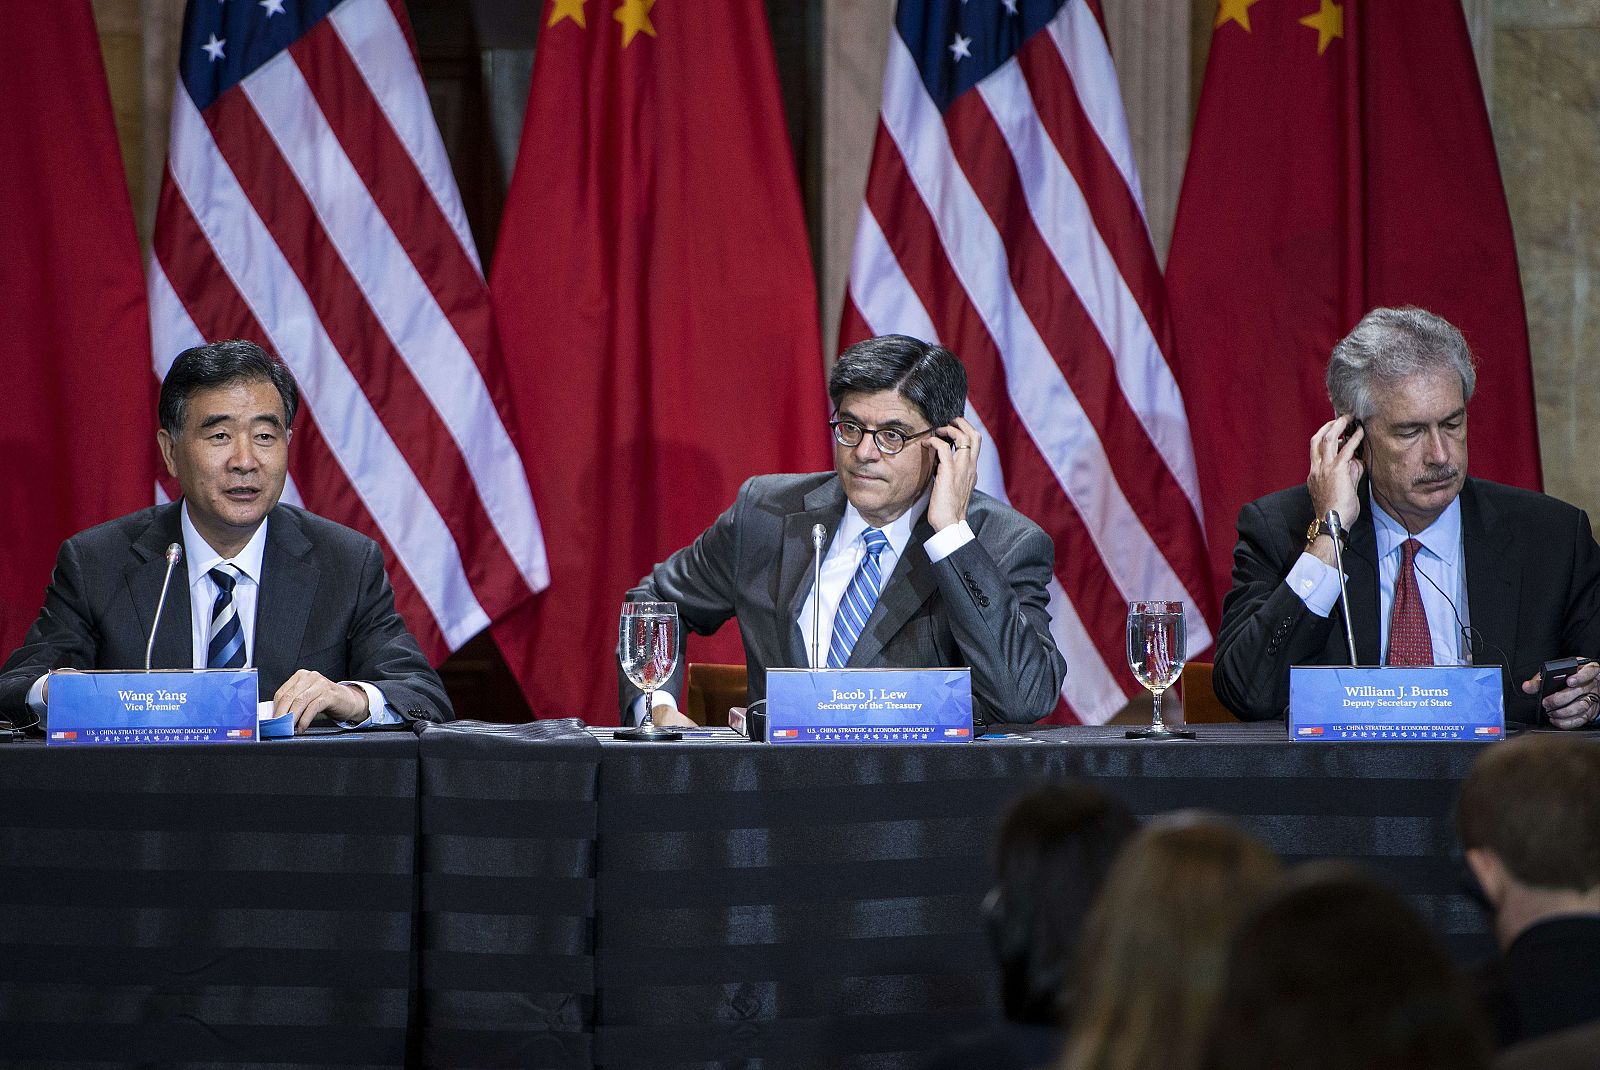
{"points": [[1003, 218], [308, 205]]}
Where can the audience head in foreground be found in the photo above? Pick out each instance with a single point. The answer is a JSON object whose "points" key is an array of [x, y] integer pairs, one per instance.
{"points": [[1336, 972], [1529, 819], [1156, 940], [1055, 846]]}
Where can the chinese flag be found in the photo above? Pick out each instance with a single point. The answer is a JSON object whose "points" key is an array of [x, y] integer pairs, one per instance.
{"points": [[1342, 160], [657, 311], [78, 440]]}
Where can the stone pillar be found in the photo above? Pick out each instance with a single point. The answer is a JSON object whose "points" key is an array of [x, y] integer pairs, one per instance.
{"points": [[1546, 75]]}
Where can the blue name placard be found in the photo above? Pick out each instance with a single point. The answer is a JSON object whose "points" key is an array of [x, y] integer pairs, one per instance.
{"points": [[1389, 703], [869, 706], [169, 706]]}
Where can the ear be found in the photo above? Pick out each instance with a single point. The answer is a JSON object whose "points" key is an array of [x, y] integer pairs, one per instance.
{"points": [[1490, 873], [164, 440]]}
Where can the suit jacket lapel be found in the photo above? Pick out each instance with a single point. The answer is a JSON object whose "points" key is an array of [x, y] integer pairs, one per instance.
{"points": [[174, 646], [825, 506], [904, 591], [289, 579], [1493, 585], [1361, 571]]}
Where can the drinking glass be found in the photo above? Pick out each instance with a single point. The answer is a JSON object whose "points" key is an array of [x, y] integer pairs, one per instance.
{"points": [[1156, 653], [647, 648]]}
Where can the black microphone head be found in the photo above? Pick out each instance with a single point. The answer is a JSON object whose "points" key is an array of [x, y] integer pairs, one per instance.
{"points": [[174, 553], [818, 533]]}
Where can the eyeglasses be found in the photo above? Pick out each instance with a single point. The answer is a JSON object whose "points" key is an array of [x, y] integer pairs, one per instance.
{"points": [[888, 440]]}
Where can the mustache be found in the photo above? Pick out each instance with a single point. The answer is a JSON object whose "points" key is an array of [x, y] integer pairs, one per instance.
{"points": [[1437, 474]]}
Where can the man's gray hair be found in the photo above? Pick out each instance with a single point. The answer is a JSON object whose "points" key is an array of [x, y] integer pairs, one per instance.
{"points": [[1391, 344]]}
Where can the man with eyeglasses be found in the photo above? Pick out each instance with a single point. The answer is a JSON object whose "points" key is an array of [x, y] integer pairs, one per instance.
{"points": [[920, 569]]}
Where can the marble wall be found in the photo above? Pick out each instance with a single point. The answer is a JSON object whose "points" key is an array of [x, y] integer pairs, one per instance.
{"points": [[1546, 109]]}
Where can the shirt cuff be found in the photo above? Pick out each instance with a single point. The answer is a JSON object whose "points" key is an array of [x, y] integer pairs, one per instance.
{"points": [[944, 543], [36, 701], [1314, 582], [378, 709], [640, 714]]}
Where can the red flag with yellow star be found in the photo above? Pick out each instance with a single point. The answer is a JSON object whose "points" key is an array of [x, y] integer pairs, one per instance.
{"points": [[657, 312], [1342, 160]]}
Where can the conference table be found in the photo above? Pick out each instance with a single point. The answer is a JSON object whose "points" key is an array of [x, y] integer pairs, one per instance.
{"points": [[539, 895]]}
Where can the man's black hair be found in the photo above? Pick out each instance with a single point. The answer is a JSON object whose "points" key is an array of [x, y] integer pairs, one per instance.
{"points": [[929, 376], [219, 364]]}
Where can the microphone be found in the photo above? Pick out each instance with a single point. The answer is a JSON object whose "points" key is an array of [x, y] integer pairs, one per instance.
{"points": [[1332, 520], [174, 555], [819, 534]]}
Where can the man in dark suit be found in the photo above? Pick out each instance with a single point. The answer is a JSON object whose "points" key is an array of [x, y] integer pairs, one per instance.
{"points": [[1529, 820], [921, 569], [1441, 568], [302, 599]]}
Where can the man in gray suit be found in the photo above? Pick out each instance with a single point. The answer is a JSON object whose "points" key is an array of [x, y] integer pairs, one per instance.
{"points": [[921, 569], [302, 599]]}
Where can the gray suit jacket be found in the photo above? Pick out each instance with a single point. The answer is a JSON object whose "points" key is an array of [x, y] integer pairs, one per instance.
{"points": [[984, 606], [325, 604], [1533, 595]]}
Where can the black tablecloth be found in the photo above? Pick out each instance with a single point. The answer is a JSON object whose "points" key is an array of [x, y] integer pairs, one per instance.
{"points": [[779, 906], [538, 895], [241, 904], [507, 905]]}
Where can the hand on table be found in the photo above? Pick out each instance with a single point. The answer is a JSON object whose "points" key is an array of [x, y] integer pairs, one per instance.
{"points": [[665, 716], [308, 693], [1574, 705]]}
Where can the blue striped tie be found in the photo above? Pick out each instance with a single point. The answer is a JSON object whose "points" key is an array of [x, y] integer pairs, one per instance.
{"points": [[226, 648], [859, 598]]}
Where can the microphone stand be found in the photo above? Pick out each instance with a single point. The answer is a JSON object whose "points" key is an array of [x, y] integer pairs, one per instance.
{"points": [[174, 555], [1332, 520], [818, 534]]}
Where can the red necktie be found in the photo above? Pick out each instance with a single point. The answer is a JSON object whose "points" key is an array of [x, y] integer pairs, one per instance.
{"points": [[1410, 642]]}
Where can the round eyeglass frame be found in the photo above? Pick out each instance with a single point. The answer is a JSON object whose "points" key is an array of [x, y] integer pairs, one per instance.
{"points": [[842, 437]]}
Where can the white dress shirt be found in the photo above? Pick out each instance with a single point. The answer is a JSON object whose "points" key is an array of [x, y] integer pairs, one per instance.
{"points": [[1441, 581]]}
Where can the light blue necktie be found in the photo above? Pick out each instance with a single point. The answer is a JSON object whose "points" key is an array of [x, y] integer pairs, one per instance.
{"points": [[859, 598], [226, 647]]}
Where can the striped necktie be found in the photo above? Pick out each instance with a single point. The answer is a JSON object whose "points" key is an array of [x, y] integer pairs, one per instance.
{"points": [[225, 650], [859, 598]]}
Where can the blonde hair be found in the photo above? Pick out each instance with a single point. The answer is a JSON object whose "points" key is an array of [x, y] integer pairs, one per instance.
{"points": [[1157, 941]]}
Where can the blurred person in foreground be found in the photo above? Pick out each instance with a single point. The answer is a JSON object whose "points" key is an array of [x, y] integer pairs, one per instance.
{"points": [[1054, 849], [1441, 568], [1529, 820], [261, 584], [920, 568], [1336, 972], [1156, 940]]}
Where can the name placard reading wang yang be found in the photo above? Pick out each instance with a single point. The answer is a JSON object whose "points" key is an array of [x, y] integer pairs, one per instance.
{"points": [[1391, 703], [869, 705], [168, 706]]}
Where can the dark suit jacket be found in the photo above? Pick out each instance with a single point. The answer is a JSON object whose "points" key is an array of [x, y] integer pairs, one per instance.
{"points": [[984, 606], [1533, 595], [1548, 980], [325, 604]]}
